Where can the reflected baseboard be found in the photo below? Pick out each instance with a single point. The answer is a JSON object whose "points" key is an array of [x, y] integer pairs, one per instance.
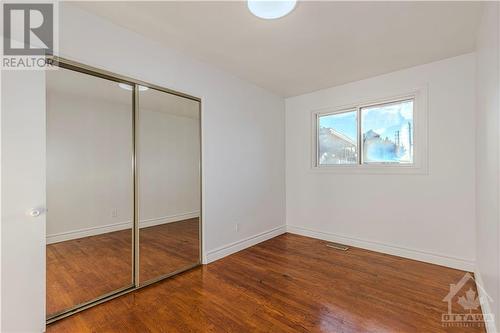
{"points": [[168, 219], [103, 229]]}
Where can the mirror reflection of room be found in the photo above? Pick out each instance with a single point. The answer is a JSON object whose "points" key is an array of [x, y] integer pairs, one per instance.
{"points": [[169, 183], [89, 189], [94, 207]]}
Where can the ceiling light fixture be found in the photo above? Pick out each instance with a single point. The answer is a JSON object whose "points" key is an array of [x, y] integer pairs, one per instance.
{"points": [[270, 10], [130, 88]]}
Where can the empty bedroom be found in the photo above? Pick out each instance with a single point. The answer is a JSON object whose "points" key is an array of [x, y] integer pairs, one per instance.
{"points": [[250, 166]]}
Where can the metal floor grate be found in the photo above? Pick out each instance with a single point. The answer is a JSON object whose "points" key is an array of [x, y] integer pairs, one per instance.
{"points": [[338, 246]]}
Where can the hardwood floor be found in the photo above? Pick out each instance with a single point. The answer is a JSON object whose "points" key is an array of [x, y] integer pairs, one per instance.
{"points": [[287, 284], [83, 269], [167, 248]]}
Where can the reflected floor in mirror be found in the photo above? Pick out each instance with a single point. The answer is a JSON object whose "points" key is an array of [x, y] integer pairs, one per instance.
{"points": [[83, 269], [168, 248]]}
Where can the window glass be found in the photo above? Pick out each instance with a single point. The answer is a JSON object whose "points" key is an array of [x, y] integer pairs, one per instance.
{"points": [[388, 133], [337, 138]]}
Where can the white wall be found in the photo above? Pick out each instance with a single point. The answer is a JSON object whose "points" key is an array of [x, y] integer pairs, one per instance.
{"points": [[428, 217], [169, 167], [23, 188], [242, 127], [487, 158], [89, 171]]}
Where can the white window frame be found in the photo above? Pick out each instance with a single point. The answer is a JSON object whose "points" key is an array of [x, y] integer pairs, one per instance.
{"points": [[420, 137]]}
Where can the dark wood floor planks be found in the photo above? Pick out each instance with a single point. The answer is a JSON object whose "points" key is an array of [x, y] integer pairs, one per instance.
{"points": [[287, 284], [83, 269], [167, 248]]}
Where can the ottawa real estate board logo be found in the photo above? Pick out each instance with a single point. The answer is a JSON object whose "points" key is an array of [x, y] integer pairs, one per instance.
{"points": [[464, 304], [29, 35]]}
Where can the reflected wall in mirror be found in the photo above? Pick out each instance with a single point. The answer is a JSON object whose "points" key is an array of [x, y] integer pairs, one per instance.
{"points": [[89, 189], [169, 184]]}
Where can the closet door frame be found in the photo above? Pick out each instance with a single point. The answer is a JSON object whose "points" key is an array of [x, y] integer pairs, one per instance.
{"points": [[79, 67]]}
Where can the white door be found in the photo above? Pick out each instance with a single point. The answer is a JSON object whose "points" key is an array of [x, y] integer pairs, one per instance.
{"points": [[22, 191]]}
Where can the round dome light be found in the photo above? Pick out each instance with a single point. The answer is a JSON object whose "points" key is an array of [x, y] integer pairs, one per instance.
{"points": [[271, 9]]}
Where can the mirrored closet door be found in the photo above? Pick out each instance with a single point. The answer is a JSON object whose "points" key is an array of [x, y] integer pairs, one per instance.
{"points": [[168, 168], [90, 193], [123, 186]]}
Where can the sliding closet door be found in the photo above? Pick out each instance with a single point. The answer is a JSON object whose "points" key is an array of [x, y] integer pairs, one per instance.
{"points": [[168, 169], [90, 192]]}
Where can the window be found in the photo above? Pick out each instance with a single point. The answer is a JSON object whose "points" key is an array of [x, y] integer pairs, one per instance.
{"points": [[373, 134], [338, 138], [388, 132]]}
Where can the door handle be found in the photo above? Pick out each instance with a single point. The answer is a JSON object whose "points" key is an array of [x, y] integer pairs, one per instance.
{"points": [[35, 212]]}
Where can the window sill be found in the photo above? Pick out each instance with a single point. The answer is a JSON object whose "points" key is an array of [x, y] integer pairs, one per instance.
{"points": [[378, 169]]}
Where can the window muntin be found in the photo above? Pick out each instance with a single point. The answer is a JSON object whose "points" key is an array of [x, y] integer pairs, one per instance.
{"points": [[387, 133], [376, 134], [338, 138]]}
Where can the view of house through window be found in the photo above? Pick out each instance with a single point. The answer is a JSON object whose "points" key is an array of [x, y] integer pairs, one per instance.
{"points": [[386, 135], [337, 138]]}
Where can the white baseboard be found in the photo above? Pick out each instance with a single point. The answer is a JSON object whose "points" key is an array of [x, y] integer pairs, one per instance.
{"points": [[98, 230], [167, 219], [87, 232], [485, 303], [229, 249], [432, 258]]}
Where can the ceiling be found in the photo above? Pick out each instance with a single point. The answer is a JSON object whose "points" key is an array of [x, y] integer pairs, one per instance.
{"points": [[318, 45]]}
